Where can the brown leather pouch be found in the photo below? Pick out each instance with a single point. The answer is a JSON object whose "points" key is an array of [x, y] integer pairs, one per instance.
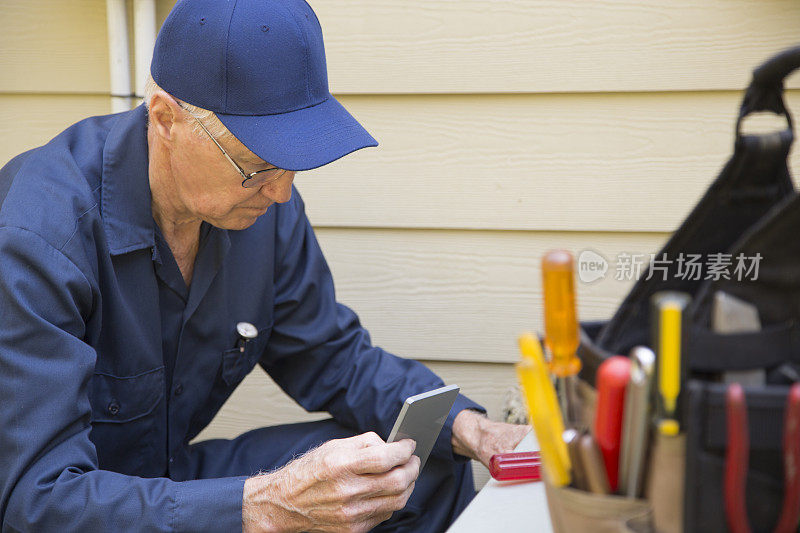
{"points": [[664, 488], [577, 511]]}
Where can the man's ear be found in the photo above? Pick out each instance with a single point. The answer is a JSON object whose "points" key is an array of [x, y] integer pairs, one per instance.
{"points": [[165, 114]]}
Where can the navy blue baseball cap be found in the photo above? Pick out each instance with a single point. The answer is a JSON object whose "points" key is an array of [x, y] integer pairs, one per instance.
{"points": [[259, 65]]}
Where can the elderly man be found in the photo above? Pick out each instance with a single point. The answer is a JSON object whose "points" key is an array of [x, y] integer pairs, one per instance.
{"points": [[133, 245]]}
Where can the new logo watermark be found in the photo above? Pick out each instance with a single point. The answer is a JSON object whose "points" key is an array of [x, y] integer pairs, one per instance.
{"points": [[591, 266]]}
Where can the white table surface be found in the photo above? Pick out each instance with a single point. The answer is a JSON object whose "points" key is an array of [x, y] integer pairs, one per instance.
{"points": [[507, 506]]}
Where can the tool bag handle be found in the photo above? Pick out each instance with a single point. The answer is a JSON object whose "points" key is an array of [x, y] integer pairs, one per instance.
{"points": [[765, 92]]}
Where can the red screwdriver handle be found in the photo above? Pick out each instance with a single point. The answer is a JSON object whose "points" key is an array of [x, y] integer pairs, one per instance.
{"points": [[516, 466], [612, 380]]}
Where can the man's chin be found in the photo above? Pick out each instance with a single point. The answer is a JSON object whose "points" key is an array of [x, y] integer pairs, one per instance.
{"points": [[243, 222], [239, 219], [237, 223]]}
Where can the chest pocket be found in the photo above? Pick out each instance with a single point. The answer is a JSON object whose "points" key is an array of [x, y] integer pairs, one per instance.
{"points": [[123, 417], [237, 362]]}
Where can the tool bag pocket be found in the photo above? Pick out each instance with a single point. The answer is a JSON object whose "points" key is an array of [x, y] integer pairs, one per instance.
{"points": [[665, 482], [705, 459], [578, 511]]}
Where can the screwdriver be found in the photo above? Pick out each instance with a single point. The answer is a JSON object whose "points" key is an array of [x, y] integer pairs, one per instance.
{"points": [[592, 462], [543, 411], [516, 466], [636, 415], [668, 310], [561, 328], [572, 439], [613, 376]]}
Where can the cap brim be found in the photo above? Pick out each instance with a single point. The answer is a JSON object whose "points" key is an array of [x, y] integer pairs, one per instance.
{"points": [[303, 139]]}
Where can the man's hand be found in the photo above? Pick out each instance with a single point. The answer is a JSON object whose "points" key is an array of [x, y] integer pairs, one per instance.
{"points": [[343, 485], [477, 437]]}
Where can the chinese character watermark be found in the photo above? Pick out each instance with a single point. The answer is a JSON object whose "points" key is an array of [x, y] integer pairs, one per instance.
{"points": [[593, 266]]}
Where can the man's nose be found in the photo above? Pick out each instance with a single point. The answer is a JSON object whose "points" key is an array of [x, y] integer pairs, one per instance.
{"points": [[281, 190]]}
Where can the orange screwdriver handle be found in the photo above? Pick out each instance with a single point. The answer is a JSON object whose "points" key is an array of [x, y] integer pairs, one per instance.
{"points": [[560, 316]]}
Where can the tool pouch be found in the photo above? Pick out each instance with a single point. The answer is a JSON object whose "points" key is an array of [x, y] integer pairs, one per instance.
{"points": [[578, 511], [665, 482], [751, 211]]}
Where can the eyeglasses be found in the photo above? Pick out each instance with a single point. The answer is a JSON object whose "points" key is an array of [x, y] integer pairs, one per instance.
{"points": [[252, 179]]}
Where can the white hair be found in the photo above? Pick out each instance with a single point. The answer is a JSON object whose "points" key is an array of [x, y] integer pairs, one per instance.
{"points": [[209, 119]]}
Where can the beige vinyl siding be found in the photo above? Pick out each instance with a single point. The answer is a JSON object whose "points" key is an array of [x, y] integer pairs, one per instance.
{"points": [[456, 46], [503, 46], [53, 46], [463, 295], [568, 162], [30, 120], [507, 128]]}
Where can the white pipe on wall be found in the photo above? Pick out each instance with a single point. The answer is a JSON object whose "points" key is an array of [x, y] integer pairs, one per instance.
{"points": [[144, 34], [118, 55]]}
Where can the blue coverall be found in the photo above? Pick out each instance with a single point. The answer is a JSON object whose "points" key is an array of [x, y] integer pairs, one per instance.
{"points": [[110, 365]]}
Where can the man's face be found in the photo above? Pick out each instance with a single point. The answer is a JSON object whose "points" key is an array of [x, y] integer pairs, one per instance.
{"points": [[208, 187]]}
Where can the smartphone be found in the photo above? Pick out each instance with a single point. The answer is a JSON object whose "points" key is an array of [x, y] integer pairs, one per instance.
{"points": [[422, 418]]}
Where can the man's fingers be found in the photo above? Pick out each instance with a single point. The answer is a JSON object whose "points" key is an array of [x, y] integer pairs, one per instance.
{"points": [[393, 502], [397, 481], [379, 459], [370, 522], [370, 511], [365, 440], [383, 507], [340, 455], [353, 483]]}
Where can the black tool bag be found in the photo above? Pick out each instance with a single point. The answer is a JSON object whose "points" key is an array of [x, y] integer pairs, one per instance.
{"points": [[751, 209]]}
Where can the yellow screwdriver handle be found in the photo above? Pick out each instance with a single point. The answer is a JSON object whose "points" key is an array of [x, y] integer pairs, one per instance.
{"points": [[668, 308], [531, 351], [545, 415], [669, 382]]}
